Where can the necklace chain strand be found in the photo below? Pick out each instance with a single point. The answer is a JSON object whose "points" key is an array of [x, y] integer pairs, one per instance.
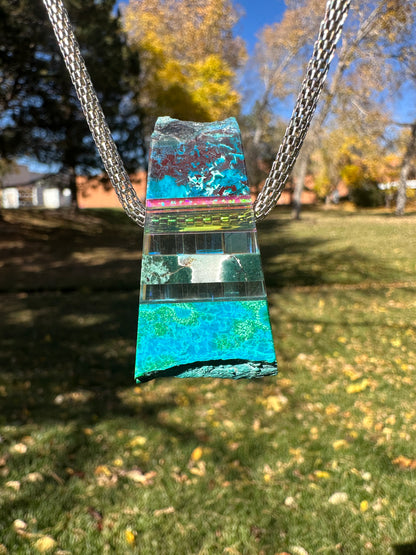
{"points": [[93, 112], [317, 70]]}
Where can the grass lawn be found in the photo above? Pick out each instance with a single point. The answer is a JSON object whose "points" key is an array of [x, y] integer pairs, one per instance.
{"points": [[319, 460]]}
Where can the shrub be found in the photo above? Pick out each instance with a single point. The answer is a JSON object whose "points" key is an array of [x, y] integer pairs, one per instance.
{"points": [[367, 195]]}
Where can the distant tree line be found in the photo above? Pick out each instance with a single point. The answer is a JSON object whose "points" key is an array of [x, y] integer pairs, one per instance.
{"points": [[40, 114], [182, 58]]}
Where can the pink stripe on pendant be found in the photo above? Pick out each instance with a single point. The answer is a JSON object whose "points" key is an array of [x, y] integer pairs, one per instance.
{"points": [[197, 201]]}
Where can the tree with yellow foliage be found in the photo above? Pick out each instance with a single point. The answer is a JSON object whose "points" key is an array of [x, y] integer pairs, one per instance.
{"points": [[360, 74], [281, 55], [361, 159], [189, 57]]}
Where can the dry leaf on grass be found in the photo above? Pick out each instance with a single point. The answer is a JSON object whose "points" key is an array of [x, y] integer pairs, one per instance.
{"points": [[102, 470], [167, 511], [338, 498], [405, 463], [13, 484], [130, 536], [19, 525], [137, 441], [45, 544], [18, 448], [196, 454], [275, 403], [138, 477], [34, 477]]}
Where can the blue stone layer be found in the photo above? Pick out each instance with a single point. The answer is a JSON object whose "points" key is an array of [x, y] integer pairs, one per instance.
{"points": [[195, 160], [229, 339]]}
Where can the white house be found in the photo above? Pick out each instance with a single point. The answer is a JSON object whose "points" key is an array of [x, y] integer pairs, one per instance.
{"points": [[22, 188]]}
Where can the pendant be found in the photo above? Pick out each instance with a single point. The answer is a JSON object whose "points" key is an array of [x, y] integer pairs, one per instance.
{"points": [[203, 307]]}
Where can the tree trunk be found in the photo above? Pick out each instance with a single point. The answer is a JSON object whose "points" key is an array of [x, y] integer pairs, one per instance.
{"points": [[73, 188], [401, 190], [404, 172], [299, 185], [257, 134]]}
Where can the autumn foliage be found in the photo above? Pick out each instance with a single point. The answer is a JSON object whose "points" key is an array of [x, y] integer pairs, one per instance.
{"points": [[189, 57]]}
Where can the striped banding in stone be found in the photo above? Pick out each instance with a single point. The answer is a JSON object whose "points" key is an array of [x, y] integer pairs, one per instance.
{"points": [[226, 242], [216, 219], [171, 203], [180, 292]]}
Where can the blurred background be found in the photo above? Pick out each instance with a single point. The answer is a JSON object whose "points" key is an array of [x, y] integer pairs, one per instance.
{"points": [[320, 459], [205, 61]]}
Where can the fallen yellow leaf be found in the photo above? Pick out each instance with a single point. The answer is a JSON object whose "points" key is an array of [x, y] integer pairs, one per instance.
{"points": [[404, 462], [314, 432], [137, 441], [276, 403], [322, 474], [130, 537], [339, 444], [196, 454], [332, 409], [102, 470], [45, 544], [358, 387]]}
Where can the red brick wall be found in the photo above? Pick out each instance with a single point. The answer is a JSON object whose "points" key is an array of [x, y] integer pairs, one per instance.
{"points": [[96, 193]]}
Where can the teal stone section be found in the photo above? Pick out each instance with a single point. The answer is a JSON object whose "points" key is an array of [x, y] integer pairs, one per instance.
{"points": [[203, 307], [226, 337], [191, 159]]}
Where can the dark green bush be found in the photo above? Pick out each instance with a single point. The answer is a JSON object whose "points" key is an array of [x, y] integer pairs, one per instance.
{"points": [[367, 195]]}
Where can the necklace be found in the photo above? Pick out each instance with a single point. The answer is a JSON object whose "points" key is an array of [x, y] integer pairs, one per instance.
{"points": [[203, 308]]}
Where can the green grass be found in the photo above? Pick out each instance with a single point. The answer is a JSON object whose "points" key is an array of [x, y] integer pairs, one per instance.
{"points": [[225, 467]]}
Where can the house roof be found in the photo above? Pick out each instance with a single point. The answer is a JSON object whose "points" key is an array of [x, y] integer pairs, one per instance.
{"points": [[21, 176]]}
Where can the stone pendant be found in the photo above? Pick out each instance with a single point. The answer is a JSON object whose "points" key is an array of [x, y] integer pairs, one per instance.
{"points": [[203, 307]]}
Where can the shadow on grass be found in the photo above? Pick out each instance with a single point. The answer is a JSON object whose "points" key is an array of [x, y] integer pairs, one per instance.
{"points": [[79, 332], [60, 251], [53, 344], [68, 317], [405, 549], [289, 260]]}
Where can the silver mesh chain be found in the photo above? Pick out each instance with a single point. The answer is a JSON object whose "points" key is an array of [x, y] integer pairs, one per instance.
{"points": [[93, 111], [317, 70]]}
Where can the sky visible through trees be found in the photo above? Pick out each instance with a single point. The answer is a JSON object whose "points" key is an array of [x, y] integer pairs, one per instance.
{"points": [[198, 79], [255, 15]]}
